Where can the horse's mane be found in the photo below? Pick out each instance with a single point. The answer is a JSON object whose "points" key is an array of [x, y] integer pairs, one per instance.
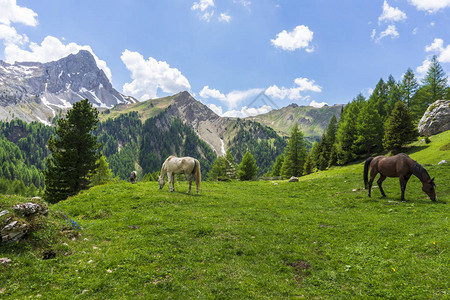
{"points": [[419, 171]]}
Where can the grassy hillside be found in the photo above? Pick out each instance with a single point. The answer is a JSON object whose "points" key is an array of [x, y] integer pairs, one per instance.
{"points": [[319, 238], [146, 109], [311, 120]]}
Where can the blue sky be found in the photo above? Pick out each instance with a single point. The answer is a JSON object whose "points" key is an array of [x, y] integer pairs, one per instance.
{"points": [[226, 52]]}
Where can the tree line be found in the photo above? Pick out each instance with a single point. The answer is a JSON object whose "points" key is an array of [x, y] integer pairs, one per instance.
{"points": [[384, 122]]}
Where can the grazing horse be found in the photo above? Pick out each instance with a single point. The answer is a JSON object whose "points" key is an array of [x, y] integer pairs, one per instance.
{"points": [[178, 165], [401, 166], [133, 177]]}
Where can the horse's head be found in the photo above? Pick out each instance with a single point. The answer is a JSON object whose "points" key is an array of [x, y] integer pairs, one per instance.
{"points": [[161, 181], [429, 188]]}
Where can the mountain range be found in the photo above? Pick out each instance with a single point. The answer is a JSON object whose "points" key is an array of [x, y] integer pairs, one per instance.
{"points": [[33, 91]]}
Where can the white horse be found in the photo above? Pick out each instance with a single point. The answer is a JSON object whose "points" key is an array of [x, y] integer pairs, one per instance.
{"points": [[178, 165]]}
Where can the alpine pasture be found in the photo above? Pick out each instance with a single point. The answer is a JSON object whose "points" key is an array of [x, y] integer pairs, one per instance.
{"points": [[321, 237]]}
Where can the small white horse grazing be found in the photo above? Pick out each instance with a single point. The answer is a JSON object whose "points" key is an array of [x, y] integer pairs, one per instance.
{"points": [[178, 165]]}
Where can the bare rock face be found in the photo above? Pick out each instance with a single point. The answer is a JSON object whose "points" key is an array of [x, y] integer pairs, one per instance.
{"points": [[13, 231], [436, 119], [293, 179], [30, 208]]}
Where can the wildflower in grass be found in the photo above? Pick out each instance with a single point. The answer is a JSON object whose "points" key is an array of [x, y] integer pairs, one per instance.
{"points": [[393, 269]]}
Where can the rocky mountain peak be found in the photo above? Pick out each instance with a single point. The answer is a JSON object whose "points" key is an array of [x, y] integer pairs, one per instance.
{"points": [[34, 91]]}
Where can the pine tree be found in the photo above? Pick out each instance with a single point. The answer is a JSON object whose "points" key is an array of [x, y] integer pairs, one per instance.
{"points": [[294, 155], [102, 173], [75, 152], [408, 88], [400, 129], [276, 168], [347, 133], [230, 165], [379, 98], [308, 167], [370, 131], [248, 170], [436, 80]]}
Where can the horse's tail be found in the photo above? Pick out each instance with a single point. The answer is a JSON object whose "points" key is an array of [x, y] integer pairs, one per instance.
{"points": [[197, 173], [366, 172]]}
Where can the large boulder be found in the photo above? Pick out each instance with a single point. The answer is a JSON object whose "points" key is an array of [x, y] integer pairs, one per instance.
{"points": [[436, 119]]}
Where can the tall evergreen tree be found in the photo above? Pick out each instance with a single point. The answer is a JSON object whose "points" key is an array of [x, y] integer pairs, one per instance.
{"points": [[393, 94], [400, 128], [75, 151], [436, 81], [276, 168], [347, 133], [408, 88], [379, 98], [369, 129], [248, 170], [294, 155]]}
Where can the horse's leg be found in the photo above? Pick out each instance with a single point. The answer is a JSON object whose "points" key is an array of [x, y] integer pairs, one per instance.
{"points": [[173, 182], [189, 178], [380, 182], [373, 173], [170, 177], [403, 182]]}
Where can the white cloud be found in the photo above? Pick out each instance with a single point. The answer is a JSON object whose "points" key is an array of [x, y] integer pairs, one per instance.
{"points": [[430, 6], [414, 32], [245, 3], [151, 75], [10, 12], [423, 69], [391, 31], [224, 18], [206, 93], [50, 49], [391, 14], [317, 104], [233, 98], [438, 47], [217, 109], [205, 9], [299, 38], [9, 35], [247, 112], [301, 84]]}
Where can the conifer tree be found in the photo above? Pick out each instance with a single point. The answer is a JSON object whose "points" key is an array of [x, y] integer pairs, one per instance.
{"points": [[408, 88], [75, 152], [347, 133], [400, 128], [308, 167], [369, 128], [379, 98], [436, 81], [102, 174], [248, 170], [276, 168], [294, 155]]}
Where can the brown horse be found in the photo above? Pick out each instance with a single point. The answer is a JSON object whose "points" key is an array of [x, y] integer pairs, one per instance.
{"points": [[401, 166]]}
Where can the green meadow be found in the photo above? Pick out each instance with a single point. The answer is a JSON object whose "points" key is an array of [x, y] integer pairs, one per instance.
{"points": [[319, 238]]}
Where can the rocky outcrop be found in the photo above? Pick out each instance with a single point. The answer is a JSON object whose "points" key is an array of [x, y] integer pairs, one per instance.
{"points": [[13, 228], [436, 119], [34, 91]]}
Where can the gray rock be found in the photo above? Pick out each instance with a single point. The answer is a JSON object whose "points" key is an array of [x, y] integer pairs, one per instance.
{"points": [[30, 208], [436, 119], [442, 162], [293, 179], [4, 261], [3, 212], [13, 231]]}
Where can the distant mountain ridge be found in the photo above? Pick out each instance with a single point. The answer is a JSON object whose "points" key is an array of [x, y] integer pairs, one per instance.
{"points": [[34, 91], [313, 121]]}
